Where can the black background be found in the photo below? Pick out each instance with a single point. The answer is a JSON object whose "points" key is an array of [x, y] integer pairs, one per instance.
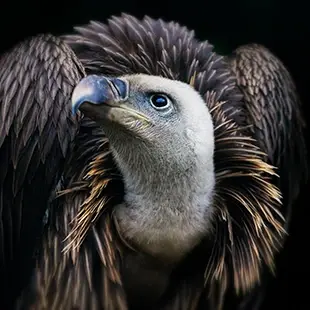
{"points": [[284, 27]]}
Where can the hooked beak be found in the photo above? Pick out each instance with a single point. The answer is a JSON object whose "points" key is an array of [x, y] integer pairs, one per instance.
{"points": [[99, 90], [105, 99]]}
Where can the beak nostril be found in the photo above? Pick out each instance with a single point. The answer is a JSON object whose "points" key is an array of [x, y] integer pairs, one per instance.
{"points": [[121, 87]]}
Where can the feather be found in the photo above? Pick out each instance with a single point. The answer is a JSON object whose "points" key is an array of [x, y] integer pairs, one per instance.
{"points": [[274, 111], [37, 77]]}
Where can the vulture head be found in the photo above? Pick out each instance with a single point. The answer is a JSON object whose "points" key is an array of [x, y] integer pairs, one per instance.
{"points": [[161, 137]]}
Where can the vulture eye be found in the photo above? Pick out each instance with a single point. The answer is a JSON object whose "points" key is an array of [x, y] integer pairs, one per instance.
{"points": [[160, 101]]}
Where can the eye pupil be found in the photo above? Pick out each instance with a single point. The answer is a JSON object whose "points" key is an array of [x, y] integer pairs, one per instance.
{"points": [[159, 101]]}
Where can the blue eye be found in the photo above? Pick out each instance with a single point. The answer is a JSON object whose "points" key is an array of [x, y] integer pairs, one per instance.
{"points": [[160, 101]]}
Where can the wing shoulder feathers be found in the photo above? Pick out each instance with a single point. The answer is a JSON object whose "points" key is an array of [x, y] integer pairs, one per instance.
{"points": [[274, 111], [37, 77]]}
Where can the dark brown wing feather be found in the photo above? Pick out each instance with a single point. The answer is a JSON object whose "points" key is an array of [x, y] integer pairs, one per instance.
{"points": [[273, 108], [36, 81]]}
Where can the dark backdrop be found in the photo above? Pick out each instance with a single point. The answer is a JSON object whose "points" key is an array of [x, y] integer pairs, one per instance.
{"points": [[283, 27]]}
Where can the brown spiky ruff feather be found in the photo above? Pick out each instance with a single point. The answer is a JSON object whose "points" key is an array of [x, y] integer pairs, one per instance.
{"points": [[80, 264]]}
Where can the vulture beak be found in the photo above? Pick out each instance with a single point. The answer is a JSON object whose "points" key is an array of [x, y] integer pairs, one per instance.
{"points": [[101, 98], [98, 90]]}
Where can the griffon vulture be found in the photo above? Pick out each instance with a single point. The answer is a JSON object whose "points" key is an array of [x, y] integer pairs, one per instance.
{"points": [[141, 170]]}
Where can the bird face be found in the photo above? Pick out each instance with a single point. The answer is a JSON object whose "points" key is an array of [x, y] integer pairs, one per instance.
{"points": [[164, 116]]}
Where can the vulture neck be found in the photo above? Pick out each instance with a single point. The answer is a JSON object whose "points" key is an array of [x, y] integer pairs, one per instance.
{"points": [[168, 203]]}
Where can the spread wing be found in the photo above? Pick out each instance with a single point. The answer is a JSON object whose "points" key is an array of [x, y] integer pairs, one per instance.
{"points": [[274, 109], [36, 129]]}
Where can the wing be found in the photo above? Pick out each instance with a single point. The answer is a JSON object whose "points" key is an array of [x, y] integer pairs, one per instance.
{"points": [[36, 81], [274, 111]]}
